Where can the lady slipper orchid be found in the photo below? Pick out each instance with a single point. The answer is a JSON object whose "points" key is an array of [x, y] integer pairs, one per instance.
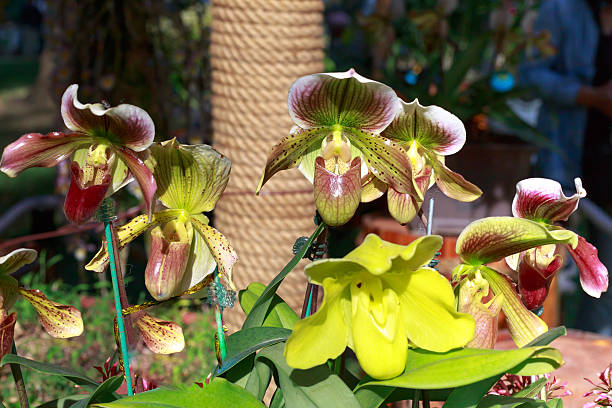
{"points": [[378, 299], [337, 144], [184, 248], [60, 321], [428, 134], [105, 144], [492, 239], [542, 200]]}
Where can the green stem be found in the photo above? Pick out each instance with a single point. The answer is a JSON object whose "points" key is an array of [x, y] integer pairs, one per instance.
{"points": [[425, 395], [19, 384], [416, 401]]}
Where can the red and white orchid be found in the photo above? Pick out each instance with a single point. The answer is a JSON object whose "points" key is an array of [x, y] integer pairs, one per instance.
{"points": [[542, 200], [104, 144], [337, 144]]}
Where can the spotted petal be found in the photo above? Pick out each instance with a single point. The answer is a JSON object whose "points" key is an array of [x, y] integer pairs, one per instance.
{"points": [[123, 125], [38, 150], [342, 98], [337, 195], [493, 238], [16, 259], [543, 200], [432, 127], [161, 337], [593, 274], [60, 321], [7, 331]]}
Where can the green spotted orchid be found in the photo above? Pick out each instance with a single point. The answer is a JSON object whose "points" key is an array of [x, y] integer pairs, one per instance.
{"points": [[60, 321], [336, 142], [428, 134], [378, 300], [492, 239], [184, 248]]}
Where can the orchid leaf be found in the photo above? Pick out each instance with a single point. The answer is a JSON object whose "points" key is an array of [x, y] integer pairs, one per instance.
{"points": [[161, 337], [545, 339], [60, 321], [337, 196], [493, 238], [502, 401], [280, 314], [468, 396], [104, 393]]}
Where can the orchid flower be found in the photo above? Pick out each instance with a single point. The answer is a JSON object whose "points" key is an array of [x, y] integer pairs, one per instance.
{"points": [[378, 299], [60, 321], [337, 144], [428, 134], [542, 200], [184, 248], [492, 239], [106, 146]]}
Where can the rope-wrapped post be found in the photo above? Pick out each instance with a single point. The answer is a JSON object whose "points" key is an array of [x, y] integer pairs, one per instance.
{"points": [[258, 48]]}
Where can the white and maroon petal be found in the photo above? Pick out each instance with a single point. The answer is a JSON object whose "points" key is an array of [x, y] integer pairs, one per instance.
{"points": [[141, 173], [536, 269], [7, 330], [38, 150], [593, 274], [342, 98], [432, 127], [543, 199], [337, 196], [82, 201]]}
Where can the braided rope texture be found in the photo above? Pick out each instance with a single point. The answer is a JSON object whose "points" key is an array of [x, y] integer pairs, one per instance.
{"points": [[258, 48]]}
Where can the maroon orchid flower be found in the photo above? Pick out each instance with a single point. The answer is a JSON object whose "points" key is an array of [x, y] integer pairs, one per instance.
{"points": [[105, 146]]}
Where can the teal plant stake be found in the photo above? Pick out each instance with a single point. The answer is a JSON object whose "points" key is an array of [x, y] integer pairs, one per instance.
{"points": [[105, 214], [430, 216], [219, 297]]}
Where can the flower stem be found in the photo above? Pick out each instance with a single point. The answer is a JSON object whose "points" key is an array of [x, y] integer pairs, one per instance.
{"points": [[311, 296], [416, 401], [19, 384]]}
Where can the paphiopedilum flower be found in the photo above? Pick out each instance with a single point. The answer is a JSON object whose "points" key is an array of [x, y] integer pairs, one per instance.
{"points": [[60, 321], [428, 134], [336, 139], [542, 200], [378, 299], [105, 144], [184, 248], [494, 238]]}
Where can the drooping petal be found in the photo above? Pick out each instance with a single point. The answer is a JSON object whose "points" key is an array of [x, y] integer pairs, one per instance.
{"points": [[536, 268], [82, 201], [493, 238], [14, 260], [289, 151], [128, 232], [524, 326], [161, 337], [379, 336], [168, 258], [141, 173], [371, 187], [191, 177], [305, 347], [123, 125], [593, 274], [428, 309], [453, 184], [404, 207], [342, 98], [8, 292], [386, 160], [432, 127], [543, 200], [337, 195], [60, 321], [201, 263], [38, 150], [219, 245], [7, 331]]}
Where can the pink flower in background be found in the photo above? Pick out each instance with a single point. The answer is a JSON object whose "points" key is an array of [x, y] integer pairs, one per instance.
{"points": [[601, 391]]}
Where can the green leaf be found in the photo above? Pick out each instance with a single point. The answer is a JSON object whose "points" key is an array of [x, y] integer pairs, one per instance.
{"points": [[500, 401], [463, 62], [532, 390], [372, 397], [468, 396], [312, 388], [106, 391], [64, 402], [51, 369], [247, 341], [219, 393], [545, 339], [280, 314], [278, 400], [259, 379], [429, 370], [260, 309]]}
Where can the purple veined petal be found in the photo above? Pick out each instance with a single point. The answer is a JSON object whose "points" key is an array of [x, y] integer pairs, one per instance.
{"points": [[404, 207], [536, 269], [342, 98], [432, 127], [543, 199], [38, 150], [60, 321], [82, 201], [288, 153], [7, 331], [141, 173], [123, 125], [593, 274], [161, 337], [453, 184], [337, 196]]}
